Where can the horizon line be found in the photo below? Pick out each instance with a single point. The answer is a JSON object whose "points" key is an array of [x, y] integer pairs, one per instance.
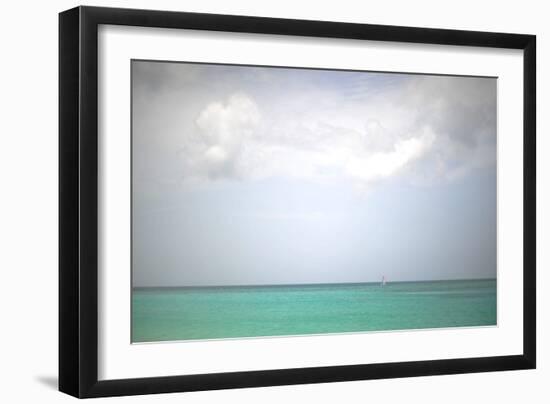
{"points": [[306, 284]]}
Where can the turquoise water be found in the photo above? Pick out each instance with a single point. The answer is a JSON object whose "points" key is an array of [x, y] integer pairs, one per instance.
{"points": [[168, 314]]}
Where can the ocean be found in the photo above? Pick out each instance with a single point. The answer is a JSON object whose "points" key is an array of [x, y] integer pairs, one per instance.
{"points": [[191, 313]]}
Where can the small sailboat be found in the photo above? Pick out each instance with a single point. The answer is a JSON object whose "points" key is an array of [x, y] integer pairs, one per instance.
{"points": [[383, 281]]}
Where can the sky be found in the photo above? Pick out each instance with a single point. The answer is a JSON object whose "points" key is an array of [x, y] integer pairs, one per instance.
{"points": [[248, 175]]}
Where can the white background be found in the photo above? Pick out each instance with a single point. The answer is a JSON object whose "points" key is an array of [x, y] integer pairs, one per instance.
{"points": [[28, 212]]}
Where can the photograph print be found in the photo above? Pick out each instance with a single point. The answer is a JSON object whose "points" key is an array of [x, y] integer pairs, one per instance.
{"points": [[273, 201]]}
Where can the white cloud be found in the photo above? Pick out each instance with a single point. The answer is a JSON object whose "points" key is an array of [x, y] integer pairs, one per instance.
{"points": [[223, 130], [439, 127], [379, 165]]}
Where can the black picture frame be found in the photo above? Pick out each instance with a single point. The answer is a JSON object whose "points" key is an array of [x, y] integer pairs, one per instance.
{"points": [[78, 201]]}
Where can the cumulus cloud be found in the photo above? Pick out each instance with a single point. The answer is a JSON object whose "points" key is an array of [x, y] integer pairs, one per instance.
{"points": [[380, 165], [223, 130], [426, 128]]}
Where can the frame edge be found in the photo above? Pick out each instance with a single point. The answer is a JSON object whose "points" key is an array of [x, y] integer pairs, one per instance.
{"points": [[530, 202], [69, 81]]}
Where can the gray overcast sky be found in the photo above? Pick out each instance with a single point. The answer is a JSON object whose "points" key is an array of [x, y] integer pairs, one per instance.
{"points": [[255, 175]]}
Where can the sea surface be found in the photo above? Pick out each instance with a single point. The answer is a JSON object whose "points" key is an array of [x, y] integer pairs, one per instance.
{"points": [[169, 314]]}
